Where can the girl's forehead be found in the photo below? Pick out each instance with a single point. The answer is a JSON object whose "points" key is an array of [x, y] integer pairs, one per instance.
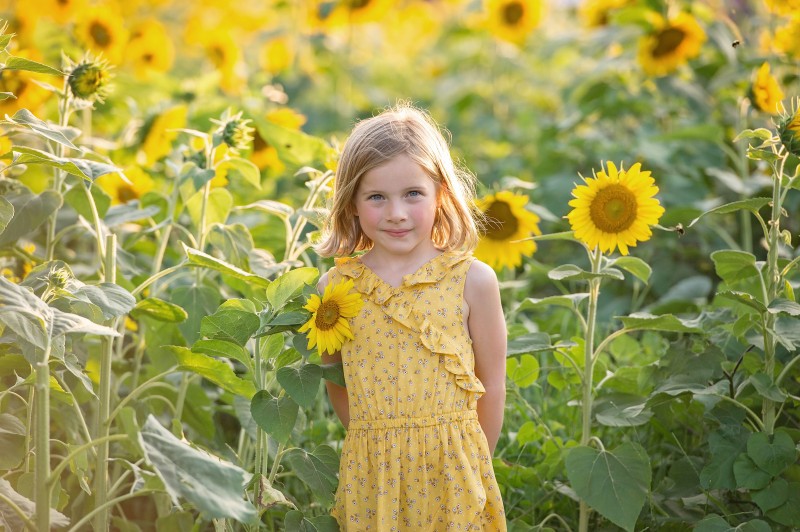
{"points": [[397, 173]]}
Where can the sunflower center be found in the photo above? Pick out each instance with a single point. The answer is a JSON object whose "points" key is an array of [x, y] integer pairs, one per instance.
{"points": [[667, 41], [613, 209], [512, 13], [502, 222], [100, 34], [327, 315], [126, 193], [217, 55], [148, 58], [355, 5]]}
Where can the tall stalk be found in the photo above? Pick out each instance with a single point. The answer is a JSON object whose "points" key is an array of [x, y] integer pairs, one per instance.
{"points": [[58, 176], [104, 406], [588, 370], [42, 437]]}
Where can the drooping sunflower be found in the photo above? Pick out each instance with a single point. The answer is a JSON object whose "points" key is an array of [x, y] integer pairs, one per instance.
{"points": [[507, 221], [513, 20], [102, 31], [615, 208], [328, 327], [672, 43], [765, 92]]}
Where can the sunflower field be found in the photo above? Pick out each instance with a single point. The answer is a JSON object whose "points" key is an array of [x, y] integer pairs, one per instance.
{"points": [[166, 166]]}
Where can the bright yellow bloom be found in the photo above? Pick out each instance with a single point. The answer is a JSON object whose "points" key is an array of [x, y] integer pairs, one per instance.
{"points": [[286, 117], [615, 208], [595, 13], [513, 20], [276, 55], [135, 184], [507, 221], [787, 38], [783, 7], [328, 327], [102, 31], [347, 12], [672, 43], [150, 49], [28, 94], [62, 11], [161, 133], [765, 93]]}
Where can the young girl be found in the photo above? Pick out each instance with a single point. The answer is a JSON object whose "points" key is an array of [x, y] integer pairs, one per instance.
{"points": [[425, 371]]}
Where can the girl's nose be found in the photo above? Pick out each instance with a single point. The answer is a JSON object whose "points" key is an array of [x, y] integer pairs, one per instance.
{"points": [[396, 212]]}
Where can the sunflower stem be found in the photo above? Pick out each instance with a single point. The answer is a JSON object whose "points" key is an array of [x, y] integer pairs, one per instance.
{"points": [[588, 368]]}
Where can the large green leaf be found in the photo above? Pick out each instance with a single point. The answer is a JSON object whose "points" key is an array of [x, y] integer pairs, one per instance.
{"points": [[159, 310], [334, 373], [223, 349], [83, 168], [570, 272], [212, 485], [269, 206], [290, 285], [748, 475], [752, 205], [216, 371], [200, 258], [6, 213], [236, 165], [23, 63], [12, 442], [772, 456], [622, 410], [76, 198], [9, 518], [198, 301], [788, 513], [275, 415], [317, 473], [666, 322], [529, 343], [633, 265], [715, 523], [36, 323], [734, 265], [524, 371], [615, 483], [25, 118], [234, 242], [785, 306], [113, 300], [743, 298], [725, 444], [302, 384], [567, 301], [218, 207], [236, 325], [30, 211], [767, 388], [772, 496]]}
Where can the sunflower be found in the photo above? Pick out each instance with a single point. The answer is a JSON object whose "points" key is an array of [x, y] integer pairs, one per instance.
{"points": [[347, 12], [765, 93], [789, 128], [508, 227], [513, 20], [672, 42], [615, 208], [133, 185], [328, 327], [596, 13], [783, 7], [787, 38], [150, 49], [102, 31], [162, 131], [63, 11], [276, 55]]}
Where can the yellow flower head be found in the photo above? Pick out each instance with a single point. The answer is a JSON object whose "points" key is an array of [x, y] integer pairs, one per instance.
{"points": [[787, 38], [513, 20], [789, 128], [507, 221], [161, 133], [347, 12], [783, 7], [89, 79], [765, 93], [63, 11], [615, 208], [672, 42], [276, 55], [595, 13], [328, 327], [102, 31], [150, 49], [133, 185]]}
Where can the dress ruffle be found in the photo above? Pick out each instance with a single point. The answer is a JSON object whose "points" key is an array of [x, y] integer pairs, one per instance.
{"points": [[416, 319]]}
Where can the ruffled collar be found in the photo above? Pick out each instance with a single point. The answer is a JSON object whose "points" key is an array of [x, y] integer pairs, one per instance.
{"points": [[367, 281]]}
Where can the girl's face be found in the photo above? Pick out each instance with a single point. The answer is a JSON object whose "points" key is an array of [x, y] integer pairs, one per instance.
{"points": [[396, 207]]}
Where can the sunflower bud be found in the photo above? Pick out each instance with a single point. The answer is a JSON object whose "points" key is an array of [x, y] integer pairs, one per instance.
{"points": [[233, 131], [89, 79], [789, 129], [58, 278]]}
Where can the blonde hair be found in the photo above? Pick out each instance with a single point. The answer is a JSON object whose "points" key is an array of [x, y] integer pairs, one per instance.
{"points": [[402, 129]]}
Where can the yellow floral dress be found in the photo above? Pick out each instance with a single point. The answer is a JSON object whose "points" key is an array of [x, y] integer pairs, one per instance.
{"points": [[415, 456]]}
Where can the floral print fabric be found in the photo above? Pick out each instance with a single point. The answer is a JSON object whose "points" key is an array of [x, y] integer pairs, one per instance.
{"points": [[415, 456]]}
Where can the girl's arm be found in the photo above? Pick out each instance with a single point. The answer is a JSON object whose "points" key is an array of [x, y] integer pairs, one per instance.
{"points": [[337, 394], [487, 328]]}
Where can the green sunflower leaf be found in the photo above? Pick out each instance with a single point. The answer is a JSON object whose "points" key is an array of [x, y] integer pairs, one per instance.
{"points": [[570, 272], [302, 384], [666, 322], [753, 205], [22, 63]]}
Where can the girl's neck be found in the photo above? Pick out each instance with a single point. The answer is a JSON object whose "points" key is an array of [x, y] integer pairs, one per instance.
{"points": [[392, 268]]}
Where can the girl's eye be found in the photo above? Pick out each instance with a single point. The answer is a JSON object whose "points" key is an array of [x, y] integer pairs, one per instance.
{"points": [[415, 193], [375, 197]]}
